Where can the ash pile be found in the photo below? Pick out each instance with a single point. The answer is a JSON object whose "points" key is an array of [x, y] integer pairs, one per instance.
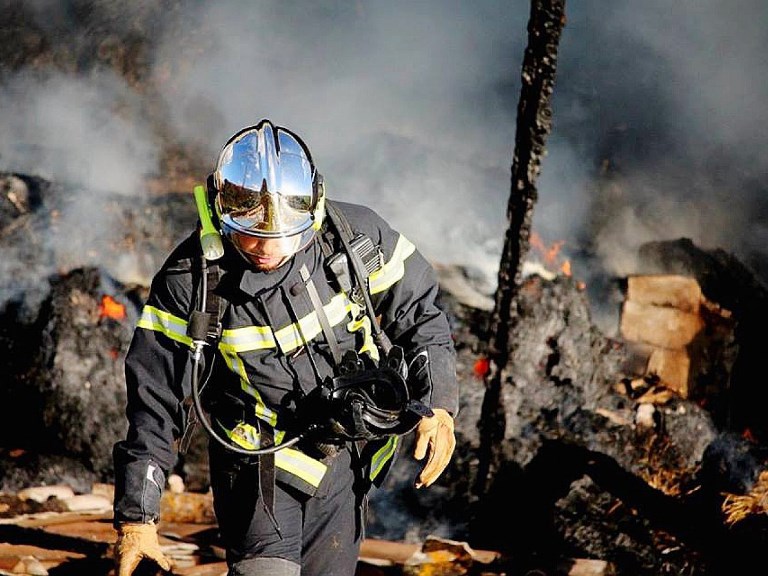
{"points": [[69, 299], [644, 450]]}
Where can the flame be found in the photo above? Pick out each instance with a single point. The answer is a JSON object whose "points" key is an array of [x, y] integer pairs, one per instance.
{"points": [[111, 308], [551, 254]]}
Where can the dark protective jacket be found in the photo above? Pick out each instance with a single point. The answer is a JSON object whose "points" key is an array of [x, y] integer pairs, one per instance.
{"points": [[271, 354]]}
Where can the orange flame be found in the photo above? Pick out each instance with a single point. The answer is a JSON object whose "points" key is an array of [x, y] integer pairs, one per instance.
{"points": [[551, 253], [111, 308]]}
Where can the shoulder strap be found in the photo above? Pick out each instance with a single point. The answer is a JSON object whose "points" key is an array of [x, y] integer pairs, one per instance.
{"points": [[204, 326], [205, 322], [340, 222]]}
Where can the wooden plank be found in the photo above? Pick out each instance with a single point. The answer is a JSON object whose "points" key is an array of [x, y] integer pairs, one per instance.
{"points": [[10, 554], [91, 531], [384, 552], [666, 290], [586, 567], [50, 518], [673, 369], [15, 534], [658, 326]]}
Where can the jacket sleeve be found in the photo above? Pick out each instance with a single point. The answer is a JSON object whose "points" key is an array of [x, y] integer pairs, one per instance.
{"points": [[406, 297], [157, 369]]}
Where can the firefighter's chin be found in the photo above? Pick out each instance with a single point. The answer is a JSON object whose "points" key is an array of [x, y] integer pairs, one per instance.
{"points": [[267, 263]]}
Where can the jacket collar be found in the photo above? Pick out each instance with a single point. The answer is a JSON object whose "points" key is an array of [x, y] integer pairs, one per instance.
{"points": [[254, 282]]}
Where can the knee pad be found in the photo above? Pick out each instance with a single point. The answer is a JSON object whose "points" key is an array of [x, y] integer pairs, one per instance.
{"points": [[260, 566]]}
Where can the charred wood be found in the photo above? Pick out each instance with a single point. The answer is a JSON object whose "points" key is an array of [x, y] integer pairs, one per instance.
{"points": [[534, 123]]}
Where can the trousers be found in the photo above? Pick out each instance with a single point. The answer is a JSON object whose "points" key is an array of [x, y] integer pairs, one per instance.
{"points": [[316, 533], [264, 566]]}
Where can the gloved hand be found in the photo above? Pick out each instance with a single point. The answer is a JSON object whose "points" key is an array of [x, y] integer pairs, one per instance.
{"points": [[436, 434], [134, 543]]}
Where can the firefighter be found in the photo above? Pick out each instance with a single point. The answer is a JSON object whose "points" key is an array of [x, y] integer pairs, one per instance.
{"points": [[312, 382]]}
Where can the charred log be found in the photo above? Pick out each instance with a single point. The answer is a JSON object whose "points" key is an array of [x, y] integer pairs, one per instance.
{"points": [[534, 123], [582, 476], [67, 369]]}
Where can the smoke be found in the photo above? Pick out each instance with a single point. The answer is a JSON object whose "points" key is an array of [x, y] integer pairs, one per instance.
{"points": [[394, 100], [410, 107], [75, 130], [668, 99]]}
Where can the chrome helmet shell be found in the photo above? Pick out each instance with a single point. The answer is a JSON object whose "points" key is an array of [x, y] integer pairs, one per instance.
{"points": [[267, 187]]}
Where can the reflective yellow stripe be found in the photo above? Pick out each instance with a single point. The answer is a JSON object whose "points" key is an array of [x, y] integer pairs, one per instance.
{"points": [[393, 270], [247, 436], [166, 323], [235, 364], [382, 456], [291, 460], [301, 332], [301, 465], [247, 339], [363, 322]]}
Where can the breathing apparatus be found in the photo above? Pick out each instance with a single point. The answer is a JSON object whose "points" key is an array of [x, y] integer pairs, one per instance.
{"points": [[367, 403], [202, 328]]}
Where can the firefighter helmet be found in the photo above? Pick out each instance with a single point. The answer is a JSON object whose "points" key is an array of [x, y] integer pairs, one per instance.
{"points": [[267, 188]]}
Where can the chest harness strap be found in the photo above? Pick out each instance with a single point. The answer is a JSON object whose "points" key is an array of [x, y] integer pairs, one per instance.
{"points": [[354, 248], [325, 324]]}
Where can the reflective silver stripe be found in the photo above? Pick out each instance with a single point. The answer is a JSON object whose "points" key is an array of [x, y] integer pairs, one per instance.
{"points": [[382, 456], [301, 465], [246, 339], [394, 268], [166, 323], [294, 335]]}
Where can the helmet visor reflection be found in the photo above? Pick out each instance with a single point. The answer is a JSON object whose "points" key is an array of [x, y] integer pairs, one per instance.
{"points": [[263, 213], [266, 186]]}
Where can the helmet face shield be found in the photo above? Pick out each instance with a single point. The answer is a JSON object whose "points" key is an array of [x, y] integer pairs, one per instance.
{"points": [[267, 188], [255, 247]]}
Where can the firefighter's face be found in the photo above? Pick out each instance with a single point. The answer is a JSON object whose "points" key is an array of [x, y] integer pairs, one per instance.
{"points": [[266, 253]]}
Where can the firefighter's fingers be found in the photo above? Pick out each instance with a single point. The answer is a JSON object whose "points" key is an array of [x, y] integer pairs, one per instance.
{"points": [[425, 433], [160, 558], [128, 561], [135, 542], [435, 434], [441, 452]]}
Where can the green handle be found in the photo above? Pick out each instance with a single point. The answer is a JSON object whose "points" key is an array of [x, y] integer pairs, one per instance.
{"points": [[210, 239]]}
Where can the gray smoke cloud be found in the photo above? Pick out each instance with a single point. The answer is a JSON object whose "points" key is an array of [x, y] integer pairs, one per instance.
{"points": [[410, 107]]}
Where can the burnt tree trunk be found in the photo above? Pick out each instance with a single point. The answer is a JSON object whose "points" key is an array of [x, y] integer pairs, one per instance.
{"points": [[534, 122]]}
